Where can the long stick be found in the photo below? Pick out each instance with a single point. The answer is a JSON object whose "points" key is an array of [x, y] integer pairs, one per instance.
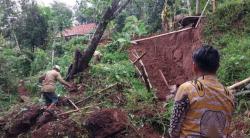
{"points": [[156, 36], [239, 84], [198, 22], [163, 77], [140, 57], [73, 104], [72, 111], [146, 73]]}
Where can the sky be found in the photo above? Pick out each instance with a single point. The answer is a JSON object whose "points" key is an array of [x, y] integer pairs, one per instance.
{"points": [[70, 3]]}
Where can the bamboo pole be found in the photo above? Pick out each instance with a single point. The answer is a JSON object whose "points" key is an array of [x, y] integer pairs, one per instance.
{"points": [[140, 57], [71, 111], [203, 11], [239, 84], [214, 5], [144, 68], [156, 36], [163, 77]]}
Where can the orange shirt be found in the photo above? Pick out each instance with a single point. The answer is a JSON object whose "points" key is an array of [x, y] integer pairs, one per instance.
{"points": [[210, 107]]}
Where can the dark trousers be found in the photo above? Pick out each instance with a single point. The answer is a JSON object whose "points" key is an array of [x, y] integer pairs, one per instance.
{"points": [[50, 97]]}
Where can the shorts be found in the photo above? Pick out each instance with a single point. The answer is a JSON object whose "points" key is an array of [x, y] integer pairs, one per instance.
{"points": [[50, 97]]}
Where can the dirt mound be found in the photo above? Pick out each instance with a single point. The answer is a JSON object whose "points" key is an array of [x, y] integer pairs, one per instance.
{"points": [[60, 128], [106, 123], [21, 122], [168, 54], [41, 122]]}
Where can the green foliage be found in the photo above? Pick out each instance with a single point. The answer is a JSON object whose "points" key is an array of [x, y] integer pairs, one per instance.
{"points": [[40, 62], [13, 66], [228, 30], [232, 17], [92, 9], [133, 27], [235, 63], [61, 17], [31, 26], [116, 72]]}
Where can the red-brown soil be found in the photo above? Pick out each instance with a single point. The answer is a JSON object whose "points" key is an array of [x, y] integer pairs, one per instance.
{"points": [[148, 132], [17, 123], [60, 128], [43, 123], [171, 53], [106, 123]]}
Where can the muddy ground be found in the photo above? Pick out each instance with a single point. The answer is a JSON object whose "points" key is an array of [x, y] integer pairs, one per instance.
{"points": [[171, 53]]}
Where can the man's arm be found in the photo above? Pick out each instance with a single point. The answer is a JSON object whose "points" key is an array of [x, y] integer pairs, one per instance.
{"points": [[42, 78], [181, 107], [62, 81]]}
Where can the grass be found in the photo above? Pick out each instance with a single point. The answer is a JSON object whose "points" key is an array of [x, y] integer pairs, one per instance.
{"points": [[228, 30]]}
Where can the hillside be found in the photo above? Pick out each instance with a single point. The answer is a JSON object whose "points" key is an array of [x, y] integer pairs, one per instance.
{"points": [[111, 93]]}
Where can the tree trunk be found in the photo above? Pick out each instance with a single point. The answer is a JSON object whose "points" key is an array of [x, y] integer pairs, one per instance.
{"points": [[83, 61], [197, 7], [189, 8], [214, 5]]}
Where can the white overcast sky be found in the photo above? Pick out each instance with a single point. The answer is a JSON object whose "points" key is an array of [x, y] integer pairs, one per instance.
{"points": [[70, 3]]}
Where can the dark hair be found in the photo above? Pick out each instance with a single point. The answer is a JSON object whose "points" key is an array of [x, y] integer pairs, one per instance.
{"points": [[207, 58]]}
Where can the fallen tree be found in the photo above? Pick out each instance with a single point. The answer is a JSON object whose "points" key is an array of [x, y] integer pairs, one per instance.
{"points": [[81, 60]]}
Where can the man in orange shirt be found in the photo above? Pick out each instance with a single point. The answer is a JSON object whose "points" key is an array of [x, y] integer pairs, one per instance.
{"points": [[49, 85], [203, 107]]}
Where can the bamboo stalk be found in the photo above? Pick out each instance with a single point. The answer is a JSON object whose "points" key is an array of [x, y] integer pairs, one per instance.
{"points": [[71, 111], [198, 22], [144, 68], [140, 57], [163, 77], [239, 84], [156, 36], [73, 104], [214, 5]]}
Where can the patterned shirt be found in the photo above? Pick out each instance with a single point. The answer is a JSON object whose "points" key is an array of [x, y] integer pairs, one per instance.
{"points": [[203, 108]]}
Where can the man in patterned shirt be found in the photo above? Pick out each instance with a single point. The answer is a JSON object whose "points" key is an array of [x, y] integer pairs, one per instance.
{"points": [[203, 107]]}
